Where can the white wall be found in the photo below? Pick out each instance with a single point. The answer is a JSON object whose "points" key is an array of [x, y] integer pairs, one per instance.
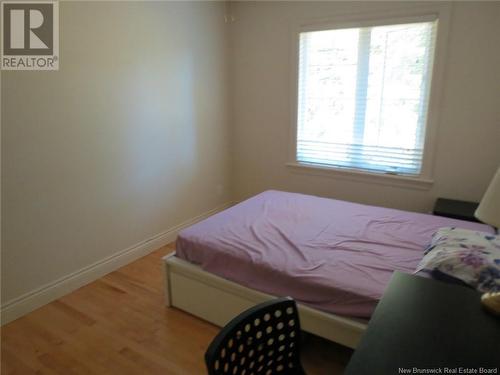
{"points": [[468, 143], [128, 139]]}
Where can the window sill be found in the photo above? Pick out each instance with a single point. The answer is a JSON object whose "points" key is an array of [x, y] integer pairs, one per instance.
{"points": [[418, 183]]}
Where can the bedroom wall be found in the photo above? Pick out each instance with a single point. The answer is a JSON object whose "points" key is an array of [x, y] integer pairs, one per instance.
{"points": [[126, 141], [468, 134]]}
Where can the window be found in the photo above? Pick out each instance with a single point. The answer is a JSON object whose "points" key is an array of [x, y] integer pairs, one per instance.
{"points": [[363, 96]]}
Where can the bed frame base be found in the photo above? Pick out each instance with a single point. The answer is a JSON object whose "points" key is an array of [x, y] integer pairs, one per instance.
{"points": [[217, 300]]}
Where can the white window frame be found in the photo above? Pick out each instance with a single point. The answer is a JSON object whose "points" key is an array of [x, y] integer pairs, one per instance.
{"points": [[407, 14]]}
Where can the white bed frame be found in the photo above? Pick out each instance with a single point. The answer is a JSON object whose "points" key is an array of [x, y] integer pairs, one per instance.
{"points": [[217, 300]]}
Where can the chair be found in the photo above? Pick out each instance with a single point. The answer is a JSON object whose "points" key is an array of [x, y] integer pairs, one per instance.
{"points": [[265, 339]]}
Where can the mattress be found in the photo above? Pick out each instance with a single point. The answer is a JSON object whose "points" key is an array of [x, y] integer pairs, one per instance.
{"points": [[331, 255]]}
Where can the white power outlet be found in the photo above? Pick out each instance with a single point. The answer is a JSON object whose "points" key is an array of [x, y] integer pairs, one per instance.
{"points": [[219, 189]]}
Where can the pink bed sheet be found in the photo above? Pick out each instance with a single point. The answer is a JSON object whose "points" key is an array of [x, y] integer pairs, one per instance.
{"points": [[332, 255]]}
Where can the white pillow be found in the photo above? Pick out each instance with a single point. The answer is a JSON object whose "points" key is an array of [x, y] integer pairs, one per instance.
{"points": [[470, 256]]}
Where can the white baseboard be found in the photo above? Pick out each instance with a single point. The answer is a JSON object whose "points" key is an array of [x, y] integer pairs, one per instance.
{"points": [[34, 299]]}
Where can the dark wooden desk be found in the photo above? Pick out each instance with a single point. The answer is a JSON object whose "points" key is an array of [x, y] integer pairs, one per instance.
{"points": [[427, 324]]}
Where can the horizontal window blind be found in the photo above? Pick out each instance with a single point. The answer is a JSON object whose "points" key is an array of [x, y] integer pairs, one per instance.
{"points": [[363, 96]]}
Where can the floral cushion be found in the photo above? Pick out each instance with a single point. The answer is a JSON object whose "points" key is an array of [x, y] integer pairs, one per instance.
{"points": [[470, 256]]}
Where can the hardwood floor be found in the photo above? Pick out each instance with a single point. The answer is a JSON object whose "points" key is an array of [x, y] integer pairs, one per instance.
{"points": [[119, 325]]}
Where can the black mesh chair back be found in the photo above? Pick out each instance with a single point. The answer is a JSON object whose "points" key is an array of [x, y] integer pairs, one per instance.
{"points": [[262, 340]]}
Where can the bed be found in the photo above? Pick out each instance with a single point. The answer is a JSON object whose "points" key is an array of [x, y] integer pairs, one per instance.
{"points": [[333, 257]]}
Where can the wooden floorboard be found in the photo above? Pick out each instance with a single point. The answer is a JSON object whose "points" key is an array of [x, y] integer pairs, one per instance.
{"points": [[119, 325]]}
